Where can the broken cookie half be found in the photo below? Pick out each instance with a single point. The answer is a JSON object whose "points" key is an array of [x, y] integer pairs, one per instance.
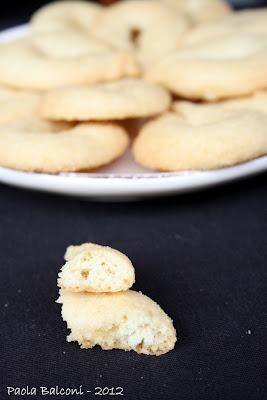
{"points": [[126, 320], [100, 310], [94, 268]]}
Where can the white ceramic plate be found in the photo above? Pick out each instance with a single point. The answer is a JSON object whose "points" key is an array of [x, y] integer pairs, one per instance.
{"points": [[124, 179]]}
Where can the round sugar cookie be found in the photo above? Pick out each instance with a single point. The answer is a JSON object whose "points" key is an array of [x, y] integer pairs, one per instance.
{"points": [[211, 139], [201, 11], [148, 27], [128, 98], [243, 21], [95, 268], [44, 146], [17, 105], [124, 320], [24, 66], [224, 67], [66, 14]]}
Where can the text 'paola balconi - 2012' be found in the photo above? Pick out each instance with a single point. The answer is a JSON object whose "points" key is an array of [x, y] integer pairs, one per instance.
{"points": [[63, 391]]}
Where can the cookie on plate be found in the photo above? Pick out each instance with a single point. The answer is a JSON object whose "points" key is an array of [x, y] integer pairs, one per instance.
{"points": [[44, 146], [209, 139], [68, 14], [127, 98], [125, 320], [94, 268], [150, 28], [224, 67], [23, 65], [67, 44]]}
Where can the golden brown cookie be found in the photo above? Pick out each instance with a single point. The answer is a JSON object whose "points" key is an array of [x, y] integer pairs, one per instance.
{"points": [[149, 28], [67, 14], [224, 67], [94, 268], [50, 147], [208, 139], [128, 98], [23, 65], [67, 44]]}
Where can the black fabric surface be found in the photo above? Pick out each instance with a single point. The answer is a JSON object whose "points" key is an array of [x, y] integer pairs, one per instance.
{"points": [[202, 257]]}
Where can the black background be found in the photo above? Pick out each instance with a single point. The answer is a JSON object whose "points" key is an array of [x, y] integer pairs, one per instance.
{"points": [[201, 256]]}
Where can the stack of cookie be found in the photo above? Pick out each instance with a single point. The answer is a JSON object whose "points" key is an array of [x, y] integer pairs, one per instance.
{"points": [[100, 309], [194, 72]]}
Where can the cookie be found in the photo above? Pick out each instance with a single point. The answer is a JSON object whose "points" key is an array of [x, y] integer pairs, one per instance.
{"points": [[201, 11], [244, 21], [211, 139], [67, 44], [124, 320], [128, 98], [24, 66], [67, 14], [256, 102], [17, 105], [148, 27], [50, 147], [95, 268], [224, 67]]}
